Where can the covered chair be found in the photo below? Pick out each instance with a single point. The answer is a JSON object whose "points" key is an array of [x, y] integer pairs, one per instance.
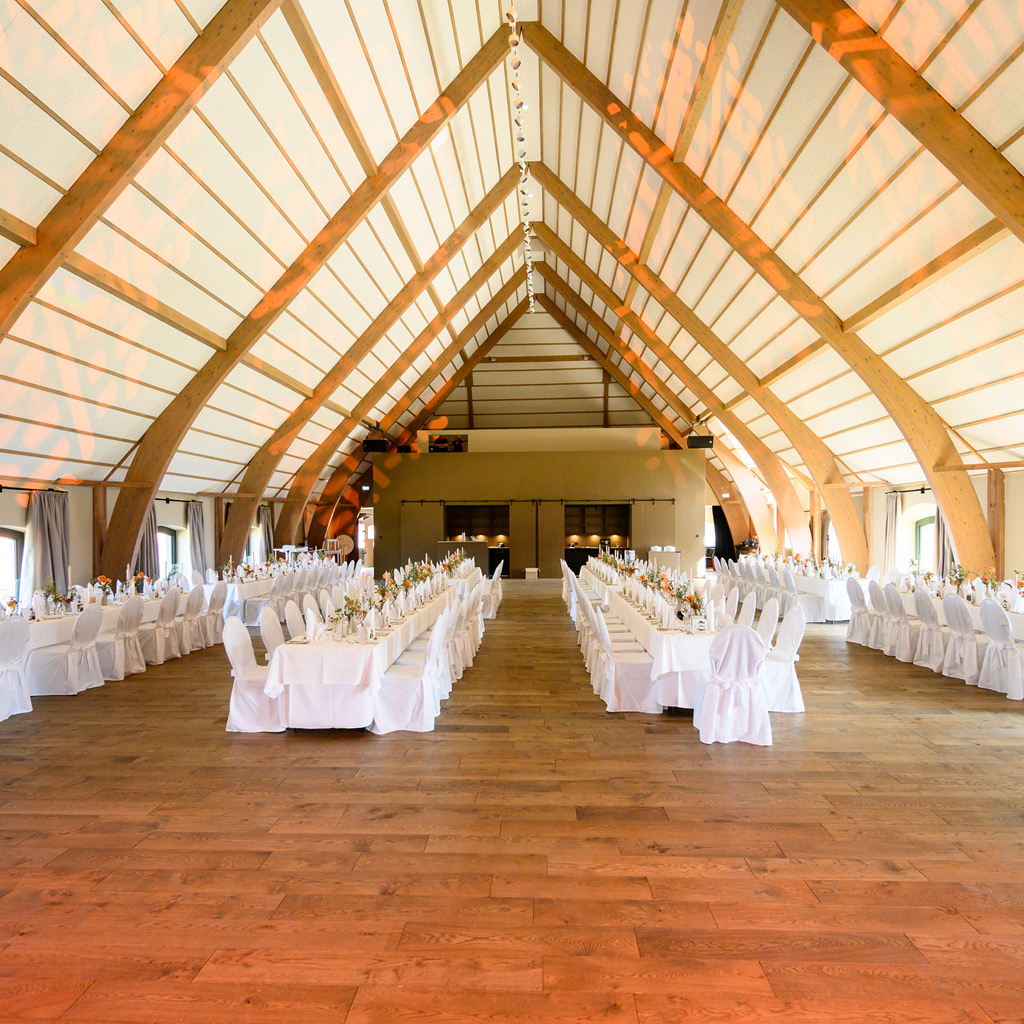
{"points": [[779, 679], [188, 625], [859, 629], [250, 709], [492, 594], [903, 635], [931, 641], [197, 578], [274, 601], [768, 621], [121, 651], [1001, 666], [411, 690], [160, 639], [963, 652], [14, 696], [881, 623], [293, 620], [733, 707], [213, 617], [732, 603], [270, 631], [747, 610], [310, 607], [72, 667]]}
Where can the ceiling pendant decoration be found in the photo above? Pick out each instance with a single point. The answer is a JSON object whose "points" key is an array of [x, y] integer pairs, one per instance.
{"points": [[518, 108]]}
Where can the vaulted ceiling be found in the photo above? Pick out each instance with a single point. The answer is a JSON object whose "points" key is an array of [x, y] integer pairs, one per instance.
{"points": [[232, 236]]}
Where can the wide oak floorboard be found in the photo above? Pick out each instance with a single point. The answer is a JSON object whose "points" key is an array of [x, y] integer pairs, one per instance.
{"points": [[534, 859]]}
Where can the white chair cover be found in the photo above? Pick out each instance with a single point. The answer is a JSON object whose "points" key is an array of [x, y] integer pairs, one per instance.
{"points": [[250, 709], [873, 574], [768, 621], [270, 631], [294, 620], [626, 683], [733, 707], [747, 610], [732, 602], [963, 652], [197, 578], [72, 667], [14, 695], [858, 630], [881, 623], [213, 619], [779, 679], [931, 641], [492, 596], [309, 606], [903, 635], [120, 652], [188, 627], [160, 639], [211, 575], [1001, 667]]}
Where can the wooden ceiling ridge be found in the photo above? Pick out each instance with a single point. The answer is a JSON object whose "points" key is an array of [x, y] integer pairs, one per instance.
{"points": [[164, 436], [775, 475], [921, 426], [918, 107], [743, 481], [267, 458], [339, 483], [306, 477], [113, 169]]}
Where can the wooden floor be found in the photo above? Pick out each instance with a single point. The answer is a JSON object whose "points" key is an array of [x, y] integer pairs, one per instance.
{"points": [[535, 859]]}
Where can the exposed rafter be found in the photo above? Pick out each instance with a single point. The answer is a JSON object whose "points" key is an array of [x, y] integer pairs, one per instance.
{"points": [[164, 436], [340, 478], [111, 172], [263, 464], [15, 230], [906, 96], [762, 456], [921, 426], [309, 472]]}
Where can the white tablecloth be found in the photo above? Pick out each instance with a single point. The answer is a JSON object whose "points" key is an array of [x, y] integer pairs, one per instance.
{"points": [[46, 632], [681, 660], [1016, 619], [591, 581], [347, 662], [832, 592], [239, 593]]}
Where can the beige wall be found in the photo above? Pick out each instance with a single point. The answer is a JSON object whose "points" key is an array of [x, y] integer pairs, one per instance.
{"points": [[537, 534]]}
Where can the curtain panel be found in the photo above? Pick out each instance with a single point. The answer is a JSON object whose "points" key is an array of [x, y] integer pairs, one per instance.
{"points": [[47, 550], [196, 523]]}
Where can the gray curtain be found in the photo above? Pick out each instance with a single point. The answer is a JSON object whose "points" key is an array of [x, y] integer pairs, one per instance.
{"points": [[892, 522], [47, 550], [265, 522], [947, 553], [148, 558], [826, 521], [196, 535]]}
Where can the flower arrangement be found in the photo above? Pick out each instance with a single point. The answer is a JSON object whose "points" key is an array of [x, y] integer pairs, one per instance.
{"points": [[50, 591], [105, 583], [989, 576], [352, 608], [694, 604], [957, 575]]}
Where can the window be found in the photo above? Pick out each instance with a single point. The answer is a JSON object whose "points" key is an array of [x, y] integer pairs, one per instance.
{"points": [[11, 542], [924, 544], [167, 547]]}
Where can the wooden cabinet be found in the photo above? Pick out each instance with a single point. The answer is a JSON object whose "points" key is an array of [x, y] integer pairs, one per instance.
{"points": [[604, 521]]}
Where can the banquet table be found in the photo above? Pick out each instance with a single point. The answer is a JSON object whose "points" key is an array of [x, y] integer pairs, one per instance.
{"points": [[603, 589], [57, 629], [682, 661], [239, 593], [1016, 618], [835, 600], [325, 667]]}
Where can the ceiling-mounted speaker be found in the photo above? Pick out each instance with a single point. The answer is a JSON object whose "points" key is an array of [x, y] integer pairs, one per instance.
{"points": [[700, 441], [375, 444]]}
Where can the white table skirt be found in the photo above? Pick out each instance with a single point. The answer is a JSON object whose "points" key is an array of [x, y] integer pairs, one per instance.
{"points": [[346, 662], [682, 661], [239, 593], [832, 593], [46, 632], [1016, 618]]}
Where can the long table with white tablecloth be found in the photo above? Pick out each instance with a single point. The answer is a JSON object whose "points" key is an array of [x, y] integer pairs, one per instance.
{"points": [[1016, 619], [57, 629]]}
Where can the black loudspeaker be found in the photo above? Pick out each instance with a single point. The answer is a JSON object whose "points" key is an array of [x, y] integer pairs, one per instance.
{"points": [[375, 444], [700, 441], [404, 449]]}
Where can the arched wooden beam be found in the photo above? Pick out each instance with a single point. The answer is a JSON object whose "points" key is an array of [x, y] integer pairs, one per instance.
{"points": [[309, 472], [164, 436], [753, 503], [770, 465], [923, 429], [263, 464], [907, 97], [341, 479], [113, 169], [815, 454], [746, 483]]}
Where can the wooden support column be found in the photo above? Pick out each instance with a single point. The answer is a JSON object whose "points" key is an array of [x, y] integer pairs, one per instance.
{"points": [[99, 525], [868, 502], [997, 518], [218, 527], [815, 514]]}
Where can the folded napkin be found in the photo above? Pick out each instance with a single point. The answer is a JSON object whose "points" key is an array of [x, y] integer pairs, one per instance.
{"points": [[370, 622], [38, 605], [311, 623], [666, 615]]}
